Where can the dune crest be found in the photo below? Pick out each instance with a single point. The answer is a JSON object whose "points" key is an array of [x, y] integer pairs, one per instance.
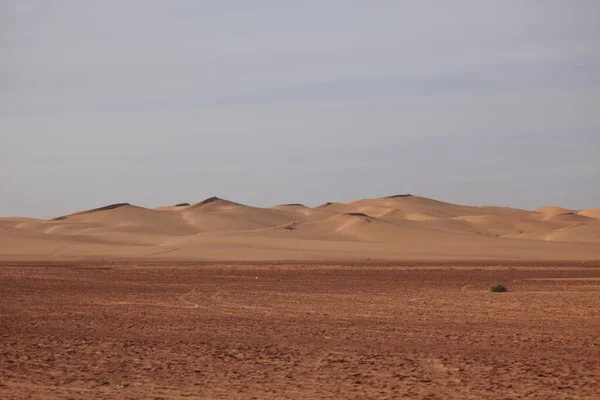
{"points": [[214, 203], [94, 210], [553, 210]]}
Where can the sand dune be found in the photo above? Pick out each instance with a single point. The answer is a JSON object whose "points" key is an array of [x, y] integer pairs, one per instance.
{"points": [[576, 233], [552, 210], [394, 227], [216, 214], [501, 225], [299, 212], [590, 212], [173, 207], [114, 218], [214, 204]]}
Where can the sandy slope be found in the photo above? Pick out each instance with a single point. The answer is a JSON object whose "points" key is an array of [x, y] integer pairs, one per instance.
{"points": [[395, 227], [590, 212]]}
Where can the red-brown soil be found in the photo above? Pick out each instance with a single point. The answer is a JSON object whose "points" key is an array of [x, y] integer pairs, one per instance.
{"points": [[418, 330]]}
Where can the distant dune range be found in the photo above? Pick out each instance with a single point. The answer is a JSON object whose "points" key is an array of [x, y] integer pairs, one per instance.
{"points": [[401, 227]]}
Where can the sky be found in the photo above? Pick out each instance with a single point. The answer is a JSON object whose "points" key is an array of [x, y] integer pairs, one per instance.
{"points": [[265, 102]]}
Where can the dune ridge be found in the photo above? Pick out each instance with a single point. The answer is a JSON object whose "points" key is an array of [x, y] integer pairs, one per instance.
{"points": [[402, 226], [105, 208]]}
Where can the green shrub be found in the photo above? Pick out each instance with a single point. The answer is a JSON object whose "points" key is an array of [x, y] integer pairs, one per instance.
{"points": [[498, 288]]}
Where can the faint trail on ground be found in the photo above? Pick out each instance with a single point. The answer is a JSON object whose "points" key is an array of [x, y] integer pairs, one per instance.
{"points": [[217, 297], [189, 303], [464, 288], [181, 298]]}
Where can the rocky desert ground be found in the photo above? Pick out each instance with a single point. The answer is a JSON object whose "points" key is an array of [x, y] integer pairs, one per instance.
{"points": [[415, 330]]}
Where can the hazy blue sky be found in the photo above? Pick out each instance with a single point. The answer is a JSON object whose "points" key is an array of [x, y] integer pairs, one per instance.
{"points": [[265, 102]]}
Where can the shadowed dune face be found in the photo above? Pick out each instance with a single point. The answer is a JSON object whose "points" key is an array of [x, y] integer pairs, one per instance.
{"points": [[394, 227], [357, 214]]}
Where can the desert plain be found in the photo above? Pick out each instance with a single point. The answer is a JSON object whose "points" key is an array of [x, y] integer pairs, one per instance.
{"points": [[375, 298]]}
